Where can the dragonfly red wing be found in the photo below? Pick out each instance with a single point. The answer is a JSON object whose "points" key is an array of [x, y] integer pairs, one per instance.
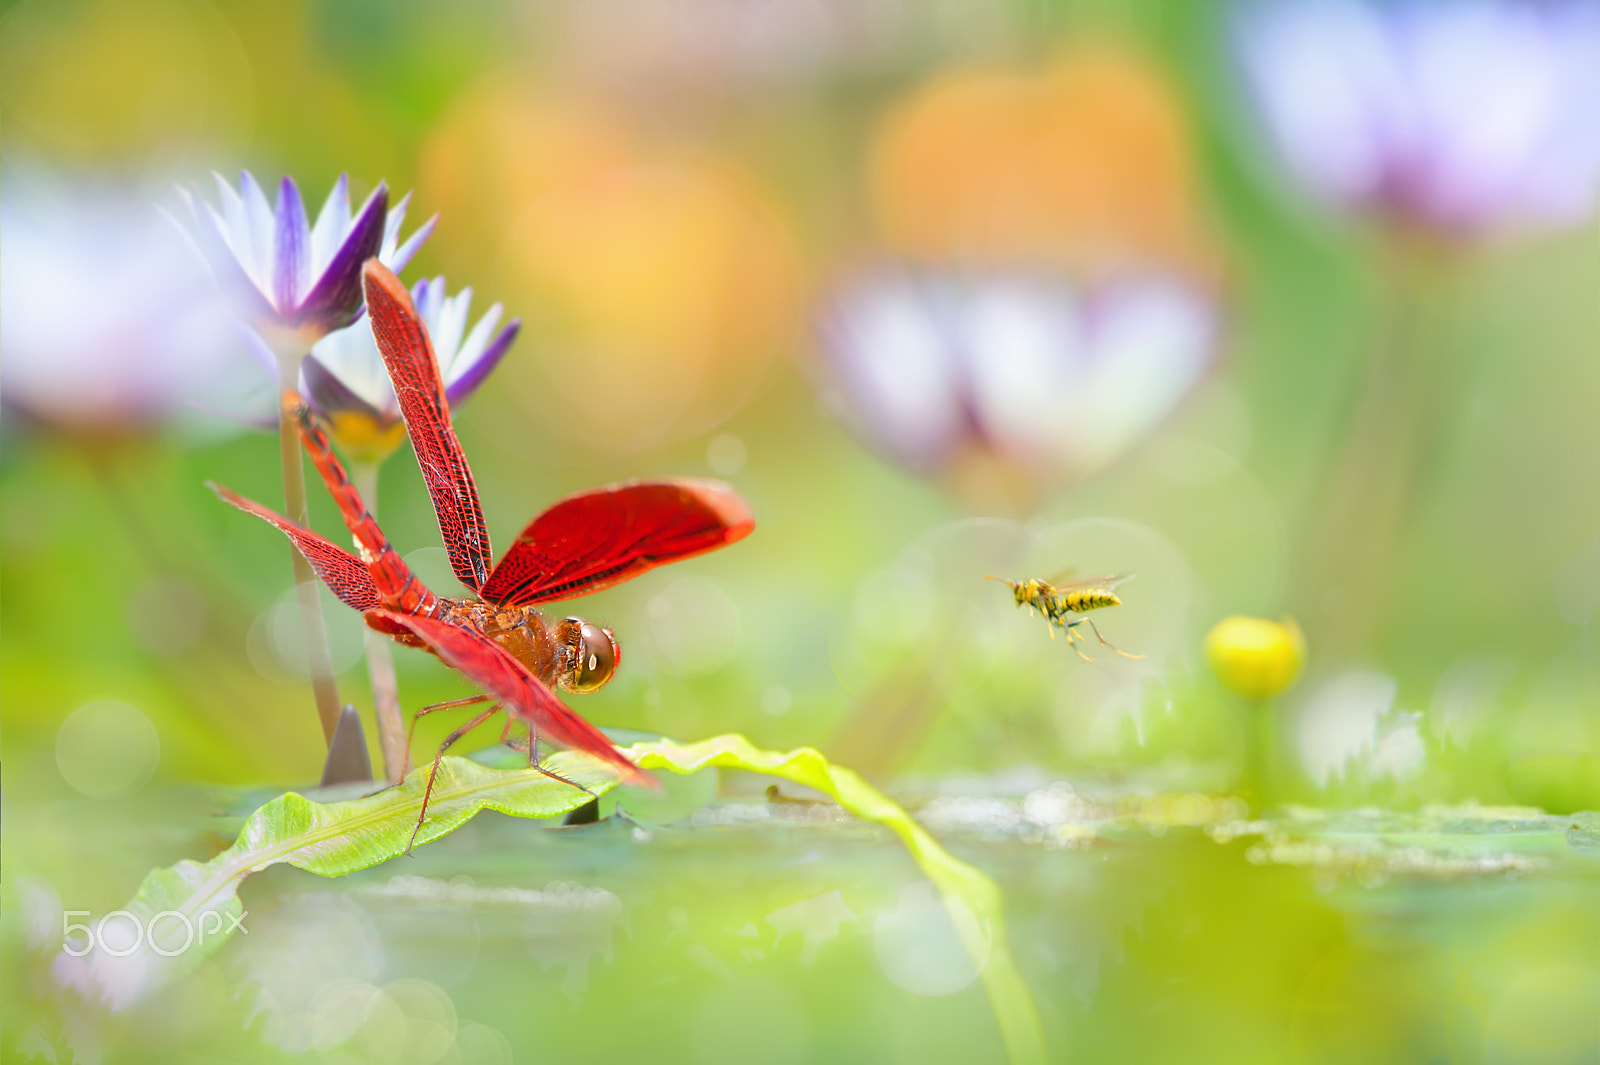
{"points": [[490, 667], [408, 353], [398, 588], [344, 574], [601, 537]]}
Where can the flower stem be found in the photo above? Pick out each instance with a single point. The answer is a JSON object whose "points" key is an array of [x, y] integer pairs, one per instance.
{"points": [[1261, 754], [1368, 496], [380, 660], [315, 630]]}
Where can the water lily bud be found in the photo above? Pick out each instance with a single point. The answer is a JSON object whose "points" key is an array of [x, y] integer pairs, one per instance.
{"points": [[1256, 657]]}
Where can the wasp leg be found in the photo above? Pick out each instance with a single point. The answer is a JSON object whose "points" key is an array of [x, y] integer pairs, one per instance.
{"points": [[1108, 643], [427, 792], [1074, 637]]}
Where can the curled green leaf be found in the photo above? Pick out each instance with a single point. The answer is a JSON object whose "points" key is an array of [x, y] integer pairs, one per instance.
{"points": [[332, 839]]}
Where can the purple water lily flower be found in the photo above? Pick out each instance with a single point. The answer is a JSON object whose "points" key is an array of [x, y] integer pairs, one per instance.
{"points": [[291, 280], [1458, 117], [345, 380], [1039, 369]]}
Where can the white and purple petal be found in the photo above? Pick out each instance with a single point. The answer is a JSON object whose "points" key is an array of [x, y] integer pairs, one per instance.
{"points": [[330, 394], [351, 356], [258, 229], [447, 325], [211, 237], [394, 254], [292, 280], [472, 370], [335, 298], [333, 222], [292, 249]]}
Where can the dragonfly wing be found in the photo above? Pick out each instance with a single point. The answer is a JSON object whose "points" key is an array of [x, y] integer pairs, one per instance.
{"points": [[524, 695], [408, 354], [397, 586], [344, 574], [598, 538]]}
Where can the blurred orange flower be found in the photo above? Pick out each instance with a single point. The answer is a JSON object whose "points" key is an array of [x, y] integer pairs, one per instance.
{"points": [[658, 279], [1084, 163]]}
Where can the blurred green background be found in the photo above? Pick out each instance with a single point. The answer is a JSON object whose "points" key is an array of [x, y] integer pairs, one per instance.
{"points": [[669, 196]]}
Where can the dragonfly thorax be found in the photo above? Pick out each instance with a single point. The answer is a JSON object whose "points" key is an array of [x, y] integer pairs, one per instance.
{"points": [[573, 653]]}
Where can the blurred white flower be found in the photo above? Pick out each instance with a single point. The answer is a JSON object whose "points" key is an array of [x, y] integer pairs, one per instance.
{"points": [[1459, 116], [1035, 368], [1350, 724], [110, 323]]}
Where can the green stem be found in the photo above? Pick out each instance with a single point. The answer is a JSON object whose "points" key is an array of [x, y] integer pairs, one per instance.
{"points": [[1359, 521], [380, 659], [1261, 737], [315, 630]]}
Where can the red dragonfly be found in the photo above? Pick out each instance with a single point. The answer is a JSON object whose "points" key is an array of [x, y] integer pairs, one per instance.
{"points": [[498, 637]]}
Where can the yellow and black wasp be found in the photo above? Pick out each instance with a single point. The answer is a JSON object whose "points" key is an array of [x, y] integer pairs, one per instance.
{"points": [[1065, 605]]}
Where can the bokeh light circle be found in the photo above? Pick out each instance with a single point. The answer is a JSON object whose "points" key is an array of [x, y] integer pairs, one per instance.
{"points": [[919, 947], [107, 749]]}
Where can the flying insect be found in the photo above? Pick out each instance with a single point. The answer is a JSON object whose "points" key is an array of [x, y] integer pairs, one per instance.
{"points": [[1066, 604]]}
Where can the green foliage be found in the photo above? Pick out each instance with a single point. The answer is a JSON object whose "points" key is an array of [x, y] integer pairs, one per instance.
{"points": [[332, 839], [971, 897]]}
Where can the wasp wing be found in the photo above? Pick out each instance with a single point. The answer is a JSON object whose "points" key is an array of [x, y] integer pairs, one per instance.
{"points": [[598, 538], [1098, 584]]}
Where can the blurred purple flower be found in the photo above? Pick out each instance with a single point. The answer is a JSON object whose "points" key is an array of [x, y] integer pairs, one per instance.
{"points": [[1036, 369], [1459, 116], [345, 380], [290, 280], [110, 323]]}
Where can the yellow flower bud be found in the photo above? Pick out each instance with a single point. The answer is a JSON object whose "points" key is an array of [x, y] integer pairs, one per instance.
{"points": [[1256, 657]]}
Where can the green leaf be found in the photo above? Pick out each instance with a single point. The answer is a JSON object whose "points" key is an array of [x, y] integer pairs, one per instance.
{"points": [[971, 897], [329, 839], [332, 839]]}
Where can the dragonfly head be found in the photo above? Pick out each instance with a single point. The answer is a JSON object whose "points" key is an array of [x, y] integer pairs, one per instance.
{"points": [[593, 656]]}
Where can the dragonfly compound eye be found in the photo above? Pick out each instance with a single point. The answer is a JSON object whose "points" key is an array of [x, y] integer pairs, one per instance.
{"points": [[596, 659]]}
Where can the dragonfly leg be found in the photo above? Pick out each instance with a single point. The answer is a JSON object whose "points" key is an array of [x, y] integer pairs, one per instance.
{"points": [[427, 792], [530, 747], [1109, 644], [448, 704], [533, 763]]}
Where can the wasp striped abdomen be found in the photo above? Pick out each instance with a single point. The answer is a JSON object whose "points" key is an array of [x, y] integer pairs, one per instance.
{"points": [[1081, 602]]}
